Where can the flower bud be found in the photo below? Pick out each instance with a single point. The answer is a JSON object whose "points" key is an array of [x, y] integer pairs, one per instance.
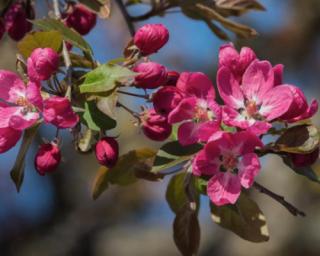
{"points": [[81, 19], [107, 151], [151, 75], [42, 63], [47, 158], [166, 99], [172, 77], [155, 126], [16, 22], [150, 38], [301, 160]]}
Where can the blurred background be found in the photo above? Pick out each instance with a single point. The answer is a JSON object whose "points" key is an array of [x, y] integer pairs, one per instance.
{"points": [[55, 215]]}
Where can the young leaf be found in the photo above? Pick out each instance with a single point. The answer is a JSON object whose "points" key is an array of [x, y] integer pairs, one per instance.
{"points": [[186, 231], [175, 194], [101, 182], [244, 219], [95, 119], [68, 34], [43, 39], [300, 139], [105, 78], [17, 172], [176, 149]]}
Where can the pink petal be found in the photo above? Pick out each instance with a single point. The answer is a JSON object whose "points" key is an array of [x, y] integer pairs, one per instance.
{"points": [[229, 88], [278, 74], [246, 142], [8, 138], [34, 95], [204, 163], [6, 114], [247, 55], [11, 86], [228, 56], [224, 188], [248, 169], [232, 117], [276, 102], [259, 128], [184, 111], [257, 80], [188, 133], [206, 130], [196, 84], [310, 112], [24, 121]]}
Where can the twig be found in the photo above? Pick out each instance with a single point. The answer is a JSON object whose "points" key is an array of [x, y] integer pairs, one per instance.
{"points": [[292, 209], [133, 113], [144, 96], [126, 16], [151, 13]]}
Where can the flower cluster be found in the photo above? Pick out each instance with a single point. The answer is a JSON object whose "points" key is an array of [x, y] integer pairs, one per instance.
{"points": [[253, 95]]}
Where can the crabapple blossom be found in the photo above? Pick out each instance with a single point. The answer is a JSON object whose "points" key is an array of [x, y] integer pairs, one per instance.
{"points": [[107, 151], [47, 158], [150, 75], [302, 160], [166, 99], [228, 159], [150, 38], [199, 113], [42, 63], [154, 125]]}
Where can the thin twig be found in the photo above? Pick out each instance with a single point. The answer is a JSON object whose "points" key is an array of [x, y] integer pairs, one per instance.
{"points": [[133, 113], [144, 96], [292, 209], [126, 16], [151, 13]]}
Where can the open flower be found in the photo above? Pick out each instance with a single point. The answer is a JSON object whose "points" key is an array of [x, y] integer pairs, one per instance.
{"points": [[256, 102], [230, 162], [166, 99], [199, 113]]}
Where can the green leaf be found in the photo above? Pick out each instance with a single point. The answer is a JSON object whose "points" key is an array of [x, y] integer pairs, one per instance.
{"points": [[175, 194], [186, 231], [300, 139], [81, 61], [84, 144], [50, 39], [68, 34], [176, 149], [95, 119], [163, 163], [101, 7], [201, 185], [105, 78], [123, 173], [244, 219], [17, 172]]}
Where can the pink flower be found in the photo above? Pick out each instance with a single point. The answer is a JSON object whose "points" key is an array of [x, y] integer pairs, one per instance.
{"points": [[58, 111], [166, 99], [302, 160], [107, 151], [155, 126], [81, 19], [236, 62], [172, 77], [230, 162], [199, 113], [16, 22], [257, 102], [151, 75], [2, 29], [47, 158], [150, 38], [42, 63], [24, 102], [8, 138]]}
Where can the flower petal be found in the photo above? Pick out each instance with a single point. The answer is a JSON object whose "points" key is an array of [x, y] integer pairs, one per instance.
{"points": [[188, 133], [204, 163], [246, 142], [34, 95], [184, 111], [249, 168], [11, 86], [8, 138], [278, 74]]}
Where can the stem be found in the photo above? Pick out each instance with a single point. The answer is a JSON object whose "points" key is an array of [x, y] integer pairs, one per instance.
{"points": [[292, 209], [144, 96], [151, 13], [126, 16], [133, 113]]}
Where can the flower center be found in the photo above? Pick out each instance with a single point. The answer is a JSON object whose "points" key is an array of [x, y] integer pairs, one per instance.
{"points": [[228, 163], [251, 108], [203, 113], [22, 101]]}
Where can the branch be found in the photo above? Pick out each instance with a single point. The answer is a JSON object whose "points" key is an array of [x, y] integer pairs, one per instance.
{"points": [[126, 16], [280, 199], [143, 96], [151, 13]]}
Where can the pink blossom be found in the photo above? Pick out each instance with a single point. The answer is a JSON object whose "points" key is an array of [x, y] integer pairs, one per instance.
{"points": [[8, 138], [107, 151], [16, 22], [42, 63], [230, 162], [155, 126], [302, 160], [236, 62], [81, 19], [172, 77], [166, 99], [198, 113], [58, 111], [150, 38], [47, 158], [150, 75], [255, 103]]}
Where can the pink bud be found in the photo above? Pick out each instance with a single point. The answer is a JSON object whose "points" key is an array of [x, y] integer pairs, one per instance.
{"points": [[155, 126], [42, 63], [16, 22], [150, 38], [2, 29], [151, 75], [47, 158], [107, 151], [166, 99], [301, 160], [81, 19], [172, 77], [58, 111]]}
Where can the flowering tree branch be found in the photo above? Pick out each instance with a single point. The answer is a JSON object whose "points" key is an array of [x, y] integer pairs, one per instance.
{"points": [[126, 16]]}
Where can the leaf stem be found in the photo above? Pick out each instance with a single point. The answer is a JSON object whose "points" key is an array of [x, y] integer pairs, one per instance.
{"points": [[292, 209], [133, 113], [144, 96]]}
